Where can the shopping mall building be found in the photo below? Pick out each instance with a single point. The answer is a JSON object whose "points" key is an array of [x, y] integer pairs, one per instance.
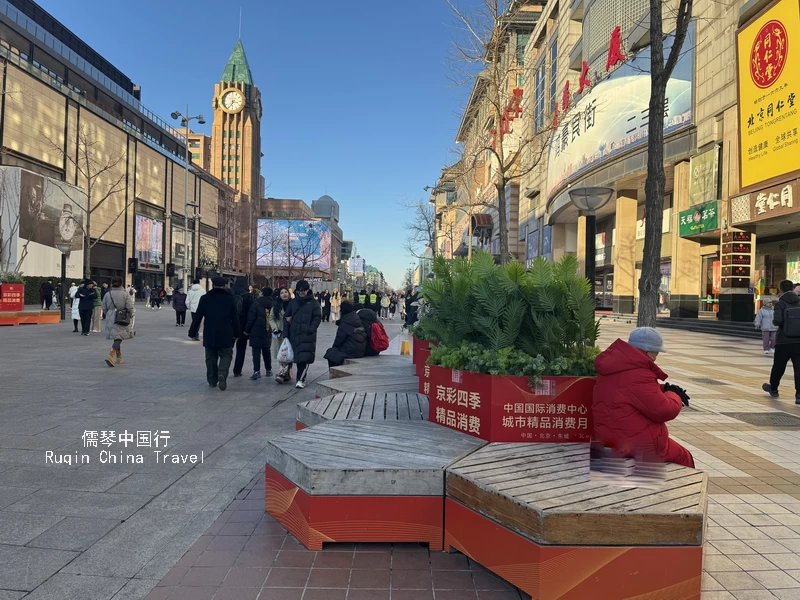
{"points": [[730, 229]]}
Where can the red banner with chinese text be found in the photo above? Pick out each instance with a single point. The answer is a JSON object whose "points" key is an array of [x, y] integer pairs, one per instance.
{"points": [[12, 297], [506, 409]]}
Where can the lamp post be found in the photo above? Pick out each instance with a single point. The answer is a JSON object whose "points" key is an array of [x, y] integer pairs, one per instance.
{"points": [[590, 199], [64, 248], [185, 120]]}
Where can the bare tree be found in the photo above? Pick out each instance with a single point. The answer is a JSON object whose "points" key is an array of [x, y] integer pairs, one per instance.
{"points": [[486, 55], [420, 228], [660, 72], [408, 278], [101, 180], [305, 251], [272, 244], [10, 217]]}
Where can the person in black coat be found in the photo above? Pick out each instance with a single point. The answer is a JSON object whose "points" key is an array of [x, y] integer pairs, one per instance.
{"points": [[325, 303], [241, 289], [304, 317], [368, 317], [220, 331], [47, 294], [258, 330], [351, 338], [86, 295]]}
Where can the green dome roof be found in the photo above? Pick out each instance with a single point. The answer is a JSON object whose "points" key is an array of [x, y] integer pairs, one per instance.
{"points": [[237, 68]]}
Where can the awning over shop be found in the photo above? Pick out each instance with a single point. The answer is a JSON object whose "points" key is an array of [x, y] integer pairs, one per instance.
{"points": [[482, 224]]}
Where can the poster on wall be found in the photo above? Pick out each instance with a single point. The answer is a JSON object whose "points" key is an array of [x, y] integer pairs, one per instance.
{"points": [[704, 176], [613, 117], [793, 266], [768, 63], [532, 247], [546, 237], [149, 241]]}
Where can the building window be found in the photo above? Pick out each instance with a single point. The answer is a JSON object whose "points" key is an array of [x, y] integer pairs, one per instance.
{"points": [[451, 197], [538, 105], [194, 145], [238, 133], [269, 214], [522, 41], [237, 169], [195, 156], [237, 181], [553, 75]]}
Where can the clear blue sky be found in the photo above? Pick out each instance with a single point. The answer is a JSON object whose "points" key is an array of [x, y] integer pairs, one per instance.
{"points": [[357, 100]]}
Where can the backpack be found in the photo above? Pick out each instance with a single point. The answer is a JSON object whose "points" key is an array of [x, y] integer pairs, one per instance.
{"points": [[378, 338], [791, 321]]}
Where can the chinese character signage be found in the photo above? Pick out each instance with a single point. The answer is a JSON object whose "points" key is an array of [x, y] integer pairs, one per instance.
{"points": [[612, 116], [770, 202], [703, 177], [768, 65], [699, 219], [506, 409], [12, 297]]}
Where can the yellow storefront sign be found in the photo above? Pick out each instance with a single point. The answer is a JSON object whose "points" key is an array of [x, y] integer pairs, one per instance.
{"points": [[768, 50]]}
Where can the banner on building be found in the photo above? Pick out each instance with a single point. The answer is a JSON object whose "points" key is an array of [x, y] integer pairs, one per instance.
{"points": [[703, 177], [699, 219], [768, 94], [775, 201]]}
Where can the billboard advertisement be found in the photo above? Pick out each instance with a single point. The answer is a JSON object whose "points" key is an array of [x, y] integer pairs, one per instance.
{"points": [[357, 266], [149, 241], [295, 243], [768, 94], [613, 117]]}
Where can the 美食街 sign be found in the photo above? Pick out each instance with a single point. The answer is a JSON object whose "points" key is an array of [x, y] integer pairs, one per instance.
{"points": [[699, 219]]}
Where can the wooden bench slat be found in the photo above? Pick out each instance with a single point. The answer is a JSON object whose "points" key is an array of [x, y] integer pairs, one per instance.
{"points": [[403, 411]]}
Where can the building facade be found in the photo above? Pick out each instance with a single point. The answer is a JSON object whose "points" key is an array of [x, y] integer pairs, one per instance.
{"points": [[69, 115], [729, 138], [200, 150], [327, 209]]}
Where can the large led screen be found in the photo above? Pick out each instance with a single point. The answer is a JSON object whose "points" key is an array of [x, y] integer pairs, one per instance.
{"points": [[295, 243], [149, 240]]}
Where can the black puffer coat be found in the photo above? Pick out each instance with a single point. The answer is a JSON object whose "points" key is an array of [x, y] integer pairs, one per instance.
{"points": [[221, 326], [257, 327], [351, 338], [368, 317], [306, 315]]}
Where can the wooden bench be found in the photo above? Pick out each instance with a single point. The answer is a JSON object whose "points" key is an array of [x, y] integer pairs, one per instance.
{"points": [[363, 481], [406, 369], [403, 384], [368, 406], [532, 515]]}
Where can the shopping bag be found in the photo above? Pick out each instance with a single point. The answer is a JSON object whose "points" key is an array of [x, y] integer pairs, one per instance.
{"points": [[286, 352]]}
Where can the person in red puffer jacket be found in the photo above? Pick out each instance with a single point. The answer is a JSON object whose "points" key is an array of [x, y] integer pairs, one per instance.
{"points": [[630, 407]]}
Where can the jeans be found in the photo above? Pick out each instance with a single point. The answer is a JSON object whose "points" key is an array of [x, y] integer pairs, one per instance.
{"points": [[784, 353], [257, 354], [218, 363], [302, 371], [241, 352], [768, 338], [86, 319], [180, 317]]}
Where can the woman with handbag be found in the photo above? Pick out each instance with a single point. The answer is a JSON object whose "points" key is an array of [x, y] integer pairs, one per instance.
{"points": [[118, 308], [279, 332]]}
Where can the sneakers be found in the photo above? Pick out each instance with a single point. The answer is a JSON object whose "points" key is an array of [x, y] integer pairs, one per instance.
{"points": [[237, 374], [212, 384], [766, 352], [256, 376], [268, 373], [768, 388], [223, 383], [772, 350], [301, 385]]}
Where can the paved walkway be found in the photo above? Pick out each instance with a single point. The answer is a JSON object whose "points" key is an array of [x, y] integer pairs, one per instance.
{"points": [[99, 531]]}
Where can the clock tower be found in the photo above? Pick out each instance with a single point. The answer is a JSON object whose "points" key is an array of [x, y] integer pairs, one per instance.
{"points": [[236, 133]]}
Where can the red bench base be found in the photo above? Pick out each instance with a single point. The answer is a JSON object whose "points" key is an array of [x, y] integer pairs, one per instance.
{"points": [[570, 572], [298, 426], [314, 520], [30, 318]]}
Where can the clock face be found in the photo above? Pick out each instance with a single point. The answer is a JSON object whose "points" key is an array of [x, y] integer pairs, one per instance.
{"points": [[232, 101], [66, 228]]}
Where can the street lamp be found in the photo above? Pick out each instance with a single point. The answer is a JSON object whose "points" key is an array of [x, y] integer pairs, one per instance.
{"points": [[590, 199], [185, 120], [64, 248]]}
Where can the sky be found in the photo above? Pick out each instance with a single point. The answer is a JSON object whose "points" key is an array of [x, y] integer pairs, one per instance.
{"points": [[356, 95]]}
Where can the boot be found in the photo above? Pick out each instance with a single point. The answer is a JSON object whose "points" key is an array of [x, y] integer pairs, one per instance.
{"points": [[110, 358], [119, 357]]}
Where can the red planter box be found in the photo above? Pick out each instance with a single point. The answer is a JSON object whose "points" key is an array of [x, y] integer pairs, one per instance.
{"points": [[506, 409], [420, 351], [12, 297]]}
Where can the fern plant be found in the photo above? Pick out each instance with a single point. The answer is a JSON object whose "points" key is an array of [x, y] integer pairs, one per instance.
{"points": [[545, 313]]}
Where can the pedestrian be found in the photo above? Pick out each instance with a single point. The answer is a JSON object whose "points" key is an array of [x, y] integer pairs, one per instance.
{"points": [[76, 301], [401, 302], [86, 295], [170, 294], [155, 299], [97, 309], [336, 305], [193, 300], [280, 331], [797, 288], [46, 294], [630, 407], [217, 311], [147, 292], [392, 306], [179, 304], [412, 305], [73, 289], [351, 338], [162, 296], [259, 332], [386, 302], [59, 294], [117, 329], [304, 316], [787, 342], [769, 331], [326, 306], [104, 290], [244, 301]]}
